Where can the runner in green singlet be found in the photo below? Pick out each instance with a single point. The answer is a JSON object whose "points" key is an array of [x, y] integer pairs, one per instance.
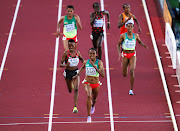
{"points": [[94, 67], [128, 41], [71, 21]]}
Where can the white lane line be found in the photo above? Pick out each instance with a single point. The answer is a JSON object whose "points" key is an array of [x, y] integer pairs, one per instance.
{"points": [[107, 72], [54, 73], [85, 122], [160, 66], [9, 38]]}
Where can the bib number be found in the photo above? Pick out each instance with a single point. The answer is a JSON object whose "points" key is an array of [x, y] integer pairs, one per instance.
{"points": [[73, 62], [90, 71], [98, 23], [69, 27]]}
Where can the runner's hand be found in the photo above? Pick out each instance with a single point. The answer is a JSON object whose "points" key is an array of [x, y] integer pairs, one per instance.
{"points": [[74, 77], [139, 31], [68, 64], [57, 34], [119, 57], [108, 25], [91, 62]]}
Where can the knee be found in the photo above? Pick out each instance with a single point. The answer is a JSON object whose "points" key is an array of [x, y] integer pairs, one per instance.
{"points": [[89, 97], [70, 90], [124, 74], [132, 72], [75, 90]]}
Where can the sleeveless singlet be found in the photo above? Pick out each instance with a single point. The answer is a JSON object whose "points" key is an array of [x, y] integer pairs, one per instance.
{"points": [[90, 70], [123, 28], [73, 60], [70, 28], [98, 24], [129, 44]]}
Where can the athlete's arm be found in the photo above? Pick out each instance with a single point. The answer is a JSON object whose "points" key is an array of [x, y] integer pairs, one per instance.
{"points": [[58, 26], [120, 23], [78, 21], [92, 18], [80, 57], [108, 17], [81, 69], [63, 59], [119, 46], [101, 68], [139, 41], [135, 19]]}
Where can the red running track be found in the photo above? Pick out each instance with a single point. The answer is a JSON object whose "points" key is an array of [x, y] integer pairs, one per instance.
{"points": [[26, 84]]}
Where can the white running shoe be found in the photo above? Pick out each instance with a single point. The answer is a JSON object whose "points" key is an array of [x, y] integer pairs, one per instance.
{"points": [[92, 110], [131, 92], [89, 119]]}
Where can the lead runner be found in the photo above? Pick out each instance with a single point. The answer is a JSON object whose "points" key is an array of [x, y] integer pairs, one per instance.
{"points": [[94, 68]]}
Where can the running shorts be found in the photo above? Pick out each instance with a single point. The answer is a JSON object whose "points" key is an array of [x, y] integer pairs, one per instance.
{"points": [[68, 74]]}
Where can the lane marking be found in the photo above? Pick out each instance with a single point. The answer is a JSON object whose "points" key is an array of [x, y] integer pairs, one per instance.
{"points": [[160, 66], [167, 53], [110, 68], [177, 102], [54, 72], [107, 71], [170, 66], [9, 33], [53, 114], [53, 68], [174, 75], [113, 114], [9, 38], [177, 91], [5, 69], [84, 122], [55, 33], [168, 57], [156, 68], [163, 44], [19, 5], [176, 85]]}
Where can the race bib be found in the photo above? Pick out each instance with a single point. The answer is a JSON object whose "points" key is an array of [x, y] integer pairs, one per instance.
{"points": [[98, 23], [73, 62], [90, 71], [130, 44], [69, 27]]}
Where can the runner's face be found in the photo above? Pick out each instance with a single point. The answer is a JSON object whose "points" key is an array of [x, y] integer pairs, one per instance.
{"points": [[92, 54], [130, 27], [70, 11], [71, 46], [127, 9], [96, 8]]}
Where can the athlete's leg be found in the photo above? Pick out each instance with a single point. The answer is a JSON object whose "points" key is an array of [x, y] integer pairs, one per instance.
{"points": [[95, 92], [88, 90], [132, 65], [125, 63], [65, 43], [69, 85], [99, 44], [76, 88]]}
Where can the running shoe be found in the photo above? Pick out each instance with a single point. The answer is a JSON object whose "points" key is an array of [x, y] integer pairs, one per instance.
{"points": [[131, 92], [75, 110], [89, 119], [92, 110]]}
